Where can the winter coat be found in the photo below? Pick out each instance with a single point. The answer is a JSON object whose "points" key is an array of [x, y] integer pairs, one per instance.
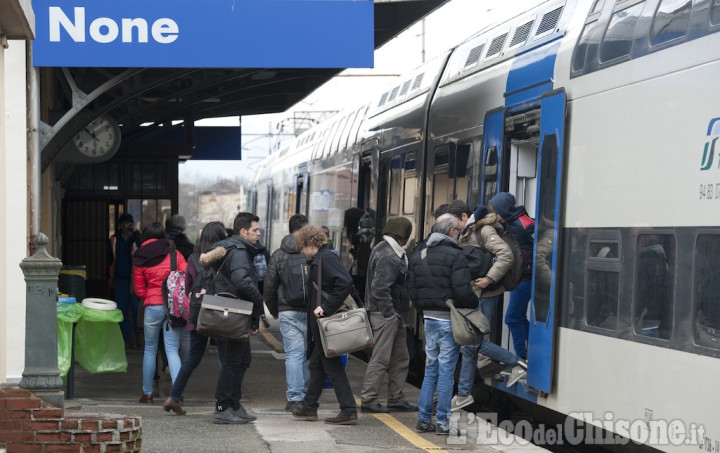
{"points": [[385, 290], [443, 274], [151, 265], [237, 275], [488, 228], [336, 283], [519, 224], [274, 294]]}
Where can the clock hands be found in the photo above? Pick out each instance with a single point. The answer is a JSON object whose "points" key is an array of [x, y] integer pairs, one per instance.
{"points": [[92, 133]]}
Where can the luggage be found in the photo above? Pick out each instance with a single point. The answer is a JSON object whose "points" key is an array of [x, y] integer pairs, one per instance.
{"points": [[469, 325], [347, 330], [225, 317]]}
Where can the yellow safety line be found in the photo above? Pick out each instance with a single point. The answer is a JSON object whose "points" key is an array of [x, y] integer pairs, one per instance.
{"points": [[406, 433], [270, 339]]}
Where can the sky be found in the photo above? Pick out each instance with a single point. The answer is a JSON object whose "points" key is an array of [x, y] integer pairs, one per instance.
{"points": [[444, 28]]}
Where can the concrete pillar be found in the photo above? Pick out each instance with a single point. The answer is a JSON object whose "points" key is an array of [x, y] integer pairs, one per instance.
{"points": [[41, 374]]}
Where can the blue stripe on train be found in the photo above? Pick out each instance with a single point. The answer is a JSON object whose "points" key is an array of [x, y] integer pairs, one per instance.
{"points": [[530, 76]]}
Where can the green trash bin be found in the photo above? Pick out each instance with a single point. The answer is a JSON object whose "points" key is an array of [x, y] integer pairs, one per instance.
{"points": [[71, 281]]}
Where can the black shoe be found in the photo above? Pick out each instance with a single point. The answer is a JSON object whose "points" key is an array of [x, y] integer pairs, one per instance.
{"points": [[292, 405], [374, 408], [342, 419], [305, 414], [402, 407]]}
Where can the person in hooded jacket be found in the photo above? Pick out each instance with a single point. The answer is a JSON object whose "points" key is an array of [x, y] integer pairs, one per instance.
{"points": [[334, 287], [439, 272], [151, 265], [236, 275], [292, 319], [484, 223], [522, 227]]}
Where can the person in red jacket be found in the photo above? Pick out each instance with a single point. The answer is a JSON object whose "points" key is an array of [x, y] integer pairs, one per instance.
{"points": [[151, 265]]}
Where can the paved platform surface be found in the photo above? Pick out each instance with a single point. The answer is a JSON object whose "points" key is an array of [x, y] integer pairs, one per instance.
{"points": [[264, 394]]}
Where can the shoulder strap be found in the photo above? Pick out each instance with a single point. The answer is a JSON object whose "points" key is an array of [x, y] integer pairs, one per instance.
{"points": [[220, 268], [173, 258], [319, 284]]}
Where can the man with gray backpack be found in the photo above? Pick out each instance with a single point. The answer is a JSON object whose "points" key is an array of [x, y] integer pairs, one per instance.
{"points": [[285, 291]]}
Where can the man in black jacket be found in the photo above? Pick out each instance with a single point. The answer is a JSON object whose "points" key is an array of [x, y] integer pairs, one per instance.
{"points": [[292, 316], [386, 303], [440, 272], [237, 276]]}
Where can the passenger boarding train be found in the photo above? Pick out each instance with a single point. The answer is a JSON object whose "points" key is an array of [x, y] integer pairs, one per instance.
{"points": [[602, 117]]}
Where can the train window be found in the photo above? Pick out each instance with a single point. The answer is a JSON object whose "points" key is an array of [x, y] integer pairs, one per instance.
{"points": [[463, 164], [490, 174], [352, 137], [706, 326], [410, 162], [715, 13], [603, 288], [442, 157], [410, 195], [654, 285], [597, 6], [441, 189], [619, 36], [396, 180], [671, 21], [578, 61]]}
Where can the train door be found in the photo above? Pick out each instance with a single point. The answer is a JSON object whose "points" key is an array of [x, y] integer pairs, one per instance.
{"points": [[541, 340], [452, 176], [491, 153], [302, 181]]}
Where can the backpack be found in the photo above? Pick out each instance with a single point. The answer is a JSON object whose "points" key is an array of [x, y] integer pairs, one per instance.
{"points": [[260, 266], [479, 259], [514, 275], [177, 303], [294, 279], [200, 286]]}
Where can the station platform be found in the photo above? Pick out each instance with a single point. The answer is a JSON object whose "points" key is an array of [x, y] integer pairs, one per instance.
{"points": [[275, 430]]}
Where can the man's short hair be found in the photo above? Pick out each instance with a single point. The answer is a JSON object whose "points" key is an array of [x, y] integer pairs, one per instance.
{"points": [[440, 210], [444, 224], [458, 208], [296, 222], [243, 221]]}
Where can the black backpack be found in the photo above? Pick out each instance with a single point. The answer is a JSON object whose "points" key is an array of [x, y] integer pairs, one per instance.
{"points": [[295, 279], [479, 259], [366, 227], [200, 285]]}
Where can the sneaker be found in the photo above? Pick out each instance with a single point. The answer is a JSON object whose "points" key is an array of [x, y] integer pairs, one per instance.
{"points": [[146, 399], [227, 417], [447, 430], [170, 405], [240, 412], [309, 415], [458, 402], [342, 419], [518, 372], [292, 405], [424, 427]]}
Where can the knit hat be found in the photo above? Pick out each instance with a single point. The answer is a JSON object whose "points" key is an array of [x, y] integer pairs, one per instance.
{"points": [[398, 228], [179, 222], [126, 218]]}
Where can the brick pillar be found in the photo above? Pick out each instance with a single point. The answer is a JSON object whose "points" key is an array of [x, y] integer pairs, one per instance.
{"points": [[41, 374]]}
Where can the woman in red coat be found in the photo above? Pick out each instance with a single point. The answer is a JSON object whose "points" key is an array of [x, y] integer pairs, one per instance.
{"points": [[151, 265]]}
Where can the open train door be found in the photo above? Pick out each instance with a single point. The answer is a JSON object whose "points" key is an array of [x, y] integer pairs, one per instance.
{"points": [[492, 153], [545, 289]]}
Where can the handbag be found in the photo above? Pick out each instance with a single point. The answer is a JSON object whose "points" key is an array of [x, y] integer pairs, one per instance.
{"points": [[347, 330], [224, 316], [469, 325]]}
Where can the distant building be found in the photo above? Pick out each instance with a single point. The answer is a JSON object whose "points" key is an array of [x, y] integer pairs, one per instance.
{"points": [[222, 201]]}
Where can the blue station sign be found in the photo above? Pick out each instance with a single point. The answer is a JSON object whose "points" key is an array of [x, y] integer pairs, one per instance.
{"points": [[204, 33]]}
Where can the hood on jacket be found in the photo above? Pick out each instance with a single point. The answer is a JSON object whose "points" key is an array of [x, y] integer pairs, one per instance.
{"points": [[504, 204], [438, 238], [288, 244], [479, 212], [152, 253], [489, 219], [235, 242]]}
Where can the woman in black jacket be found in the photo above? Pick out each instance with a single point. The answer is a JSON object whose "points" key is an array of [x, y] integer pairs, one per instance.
{"points": [[335, 286]]}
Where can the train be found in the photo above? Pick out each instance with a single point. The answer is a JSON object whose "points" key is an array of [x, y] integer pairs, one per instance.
{"points": [[602, 118]]}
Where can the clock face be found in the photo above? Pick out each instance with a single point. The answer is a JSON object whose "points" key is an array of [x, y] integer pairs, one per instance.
{"points": [[100, 138]]}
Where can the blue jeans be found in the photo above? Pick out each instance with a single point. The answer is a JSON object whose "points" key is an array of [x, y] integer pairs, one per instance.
{"points": [[128, 305], [293, 327], [190, 361], [154, 320], [469, 362], [442, 355], [516, 317]]}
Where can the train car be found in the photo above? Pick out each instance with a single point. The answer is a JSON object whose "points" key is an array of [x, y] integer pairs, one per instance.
{"points": [[601, 117]]}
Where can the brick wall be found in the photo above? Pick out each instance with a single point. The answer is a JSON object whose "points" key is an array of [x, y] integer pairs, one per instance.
{"points": [[29, 424]]}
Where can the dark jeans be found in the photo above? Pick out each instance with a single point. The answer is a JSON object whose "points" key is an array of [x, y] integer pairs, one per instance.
{"points": [[235, 362], [319, 367], [198, 343]]}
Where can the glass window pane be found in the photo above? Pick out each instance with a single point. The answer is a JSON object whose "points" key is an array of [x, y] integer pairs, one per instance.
{"points": [[715, 13], [396, 181], [490, 175], [410, 195], [602, 299], [582, 47], [671, 21], [707, 292], [441, 194], [620, 33], [654, 285]]}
